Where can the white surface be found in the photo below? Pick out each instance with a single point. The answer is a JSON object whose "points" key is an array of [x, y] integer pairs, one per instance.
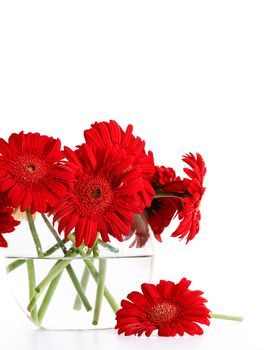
{"points": [[189, 76], [227, 335], [218, 337]]}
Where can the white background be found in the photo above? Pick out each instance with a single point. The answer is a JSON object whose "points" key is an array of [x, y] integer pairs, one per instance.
{"points": [[189, 75]]}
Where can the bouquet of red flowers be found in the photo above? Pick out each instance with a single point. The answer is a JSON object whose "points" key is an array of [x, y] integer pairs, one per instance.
{"points": [[107, 189]]}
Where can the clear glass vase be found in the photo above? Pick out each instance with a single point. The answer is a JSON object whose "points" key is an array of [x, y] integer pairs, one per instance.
{"points": [[70, 288]]}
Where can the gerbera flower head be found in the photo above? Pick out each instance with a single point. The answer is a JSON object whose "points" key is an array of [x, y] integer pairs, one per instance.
{"points": [[102, 134], [160, 214], [32, 173], [7, 221], [163, 210], [104, 196], [168, 307], [190, 213]]}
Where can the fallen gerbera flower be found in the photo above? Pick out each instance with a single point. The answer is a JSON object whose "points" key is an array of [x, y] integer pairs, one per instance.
{"points": [[168, 307]]}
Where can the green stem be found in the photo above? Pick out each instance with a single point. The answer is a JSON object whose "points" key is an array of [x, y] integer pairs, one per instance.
{"points": [[171, 194], [78, 288], [227, 317], [95, 249], [34, 234], [54, 233], [108, 246], [84, 282], [54, 272], [48, 296], [111, 300], [54, 248], [14, 265], [100, 290], [31, 288]]}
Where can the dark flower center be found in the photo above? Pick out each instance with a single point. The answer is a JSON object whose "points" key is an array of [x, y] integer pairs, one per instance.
{"points": [[97, 193], [162, 313], [29, 169], [94, 193]]}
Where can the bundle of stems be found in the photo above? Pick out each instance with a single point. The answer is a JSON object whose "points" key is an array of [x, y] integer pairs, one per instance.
{"points": [[51, 280]]}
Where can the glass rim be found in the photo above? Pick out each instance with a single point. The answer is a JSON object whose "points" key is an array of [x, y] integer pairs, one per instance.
{"points": [[28, 257]]}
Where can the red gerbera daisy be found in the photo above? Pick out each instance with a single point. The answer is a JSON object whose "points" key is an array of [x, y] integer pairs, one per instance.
{"points": [[104, 195], [190, 214], [32, 173], [168, 307], [163, 210], [7, 221], [160, 214], [103, 134]]}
